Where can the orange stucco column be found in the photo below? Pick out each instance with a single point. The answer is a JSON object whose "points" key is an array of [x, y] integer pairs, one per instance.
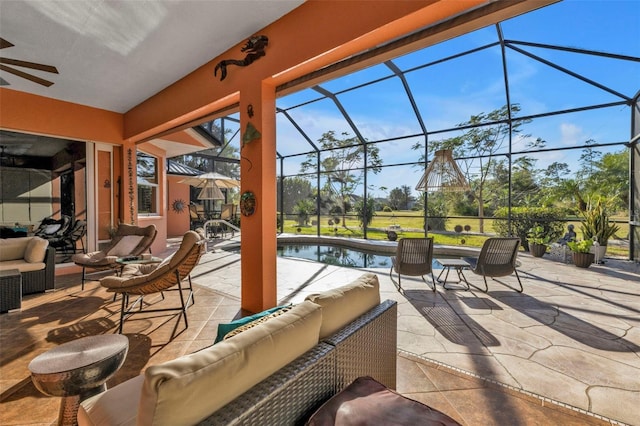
{"points": [[258, 175]]}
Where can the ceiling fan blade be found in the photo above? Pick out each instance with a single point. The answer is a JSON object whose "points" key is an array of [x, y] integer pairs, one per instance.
{"points": [[4, 82], [32, 65], [4, 43], [28, 76]]}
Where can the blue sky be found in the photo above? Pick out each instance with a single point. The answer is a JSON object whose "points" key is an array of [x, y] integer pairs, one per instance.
{"points": [[450, 92]]}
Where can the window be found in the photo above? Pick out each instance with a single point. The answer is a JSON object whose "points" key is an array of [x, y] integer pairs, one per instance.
{"points": [[147, 167]]}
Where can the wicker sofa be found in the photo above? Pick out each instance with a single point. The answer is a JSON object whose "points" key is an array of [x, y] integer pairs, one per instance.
{"points": [[35, 260], [277, 372]]}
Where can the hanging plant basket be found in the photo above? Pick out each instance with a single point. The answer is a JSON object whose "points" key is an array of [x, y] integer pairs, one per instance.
{"points": [[582, 260], [537, 250]]}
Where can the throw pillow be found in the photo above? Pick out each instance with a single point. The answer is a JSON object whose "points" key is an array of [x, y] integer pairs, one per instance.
{"points": [[125, 246], [225, 328], [257, 322], [366, 402], [36, 250]]}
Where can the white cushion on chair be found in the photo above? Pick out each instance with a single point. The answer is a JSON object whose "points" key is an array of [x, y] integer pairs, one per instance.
{"points": [[125, 246]]}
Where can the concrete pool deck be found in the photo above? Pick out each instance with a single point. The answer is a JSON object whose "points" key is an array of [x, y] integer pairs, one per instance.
{"points": [[563, 352], [572, 337]]}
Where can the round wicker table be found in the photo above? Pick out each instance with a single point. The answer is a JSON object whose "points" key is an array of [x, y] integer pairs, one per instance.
{"points": [[77, 370]]}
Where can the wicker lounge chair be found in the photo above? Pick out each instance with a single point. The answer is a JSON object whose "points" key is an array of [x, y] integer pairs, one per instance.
{"points": [[413, 257], [497, 259], [140, 280], [130, 240]]}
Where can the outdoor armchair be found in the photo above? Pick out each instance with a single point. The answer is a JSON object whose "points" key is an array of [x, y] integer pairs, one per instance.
{"points": [[51, 229], [140, 280], [497, 259], [68, 242], [414, 257], [130, 240]]}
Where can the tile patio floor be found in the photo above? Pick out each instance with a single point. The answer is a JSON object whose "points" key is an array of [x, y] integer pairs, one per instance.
{"points": [[566, 351]]}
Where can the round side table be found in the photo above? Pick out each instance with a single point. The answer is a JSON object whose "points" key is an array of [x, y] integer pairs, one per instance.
{"points": [[77, 370]]}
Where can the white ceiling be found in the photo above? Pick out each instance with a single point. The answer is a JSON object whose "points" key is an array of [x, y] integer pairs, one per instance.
{"points": [[114, 54]]}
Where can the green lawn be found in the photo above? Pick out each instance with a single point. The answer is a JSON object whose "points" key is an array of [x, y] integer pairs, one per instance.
{"points": [[411, 224]]}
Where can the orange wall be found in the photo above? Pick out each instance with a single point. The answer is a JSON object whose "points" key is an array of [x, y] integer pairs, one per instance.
{"points": [[24, 112], [177, 223]]}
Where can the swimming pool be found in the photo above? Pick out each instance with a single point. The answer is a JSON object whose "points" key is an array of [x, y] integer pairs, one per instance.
{"points": [[343, 256]]}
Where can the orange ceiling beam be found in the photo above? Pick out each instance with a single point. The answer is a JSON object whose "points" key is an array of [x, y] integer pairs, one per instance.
{"points": [[316, 34]]}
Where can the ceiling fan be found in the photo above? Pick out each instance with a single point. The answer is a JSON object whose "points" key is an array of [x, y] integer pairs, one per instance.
{"points": [[8, 65]]}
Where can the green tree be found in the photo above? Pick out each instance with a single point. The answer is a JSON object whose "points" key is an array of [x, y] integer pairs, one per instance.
{"points": [[342, 163], [610, 179], [486, 135], [295, 189], [303, 210], [365, 211], [399, 198]]}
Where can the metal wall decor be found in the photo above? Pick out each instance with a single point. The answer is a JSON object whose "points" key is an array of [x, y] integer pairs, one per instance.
{"points": [[131, 194], [248, 203], [178, 205], [254, 46]]}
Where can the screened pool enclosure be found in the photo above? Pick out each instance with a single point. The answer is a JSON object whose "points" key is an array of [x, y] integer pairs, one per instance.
{"points": [[540, 112]]}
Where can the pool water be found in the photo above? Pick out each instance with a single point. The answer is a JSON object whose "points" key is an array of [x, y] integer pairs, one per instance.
{"points": [[339, 256]]}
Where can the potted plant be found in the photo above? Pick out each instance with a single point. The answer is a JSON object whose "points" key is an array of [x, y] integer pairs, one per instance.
{"points": [[581, 253], [595, 226], [538, 240]]}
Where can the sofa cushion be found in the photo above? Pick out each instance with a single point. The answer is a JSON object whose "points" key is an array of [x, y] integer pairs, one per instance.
{"points": [[342, 305], [36, 250], [225, 328], [21, 265], [13, 248], [125, 246], [190, 388], [116, 406]]}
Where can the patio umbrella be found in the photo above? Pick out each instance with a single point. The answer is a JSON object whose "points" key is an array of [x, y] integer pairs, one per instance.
{"points": [[219, 180]]}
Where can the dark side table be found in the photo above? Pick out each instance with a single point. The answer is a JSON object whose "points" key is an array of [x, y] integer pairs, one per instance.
{"points": [[77, 370], [458, 265], [10, 290]]}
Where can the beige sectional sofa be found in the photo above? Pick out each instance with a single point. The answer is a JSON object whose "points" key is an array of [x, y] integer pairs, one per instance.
{"points": [[35, 260], [276, 372]]}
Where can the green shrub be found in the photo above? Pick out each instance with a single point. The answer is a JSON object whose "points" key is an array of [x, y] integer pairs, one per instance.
{"points": [[525, 218], [387, 209]]}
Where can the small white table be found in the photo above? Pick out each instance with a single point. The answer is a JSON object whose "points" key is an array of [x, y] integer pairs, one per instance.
{"points": [[458, 265], [77, 370]]}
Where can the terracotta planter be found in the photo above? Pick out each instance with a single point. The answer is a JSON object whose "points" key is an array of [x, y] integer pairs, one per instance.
{"points": [[537, 250], [583, 260]]}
